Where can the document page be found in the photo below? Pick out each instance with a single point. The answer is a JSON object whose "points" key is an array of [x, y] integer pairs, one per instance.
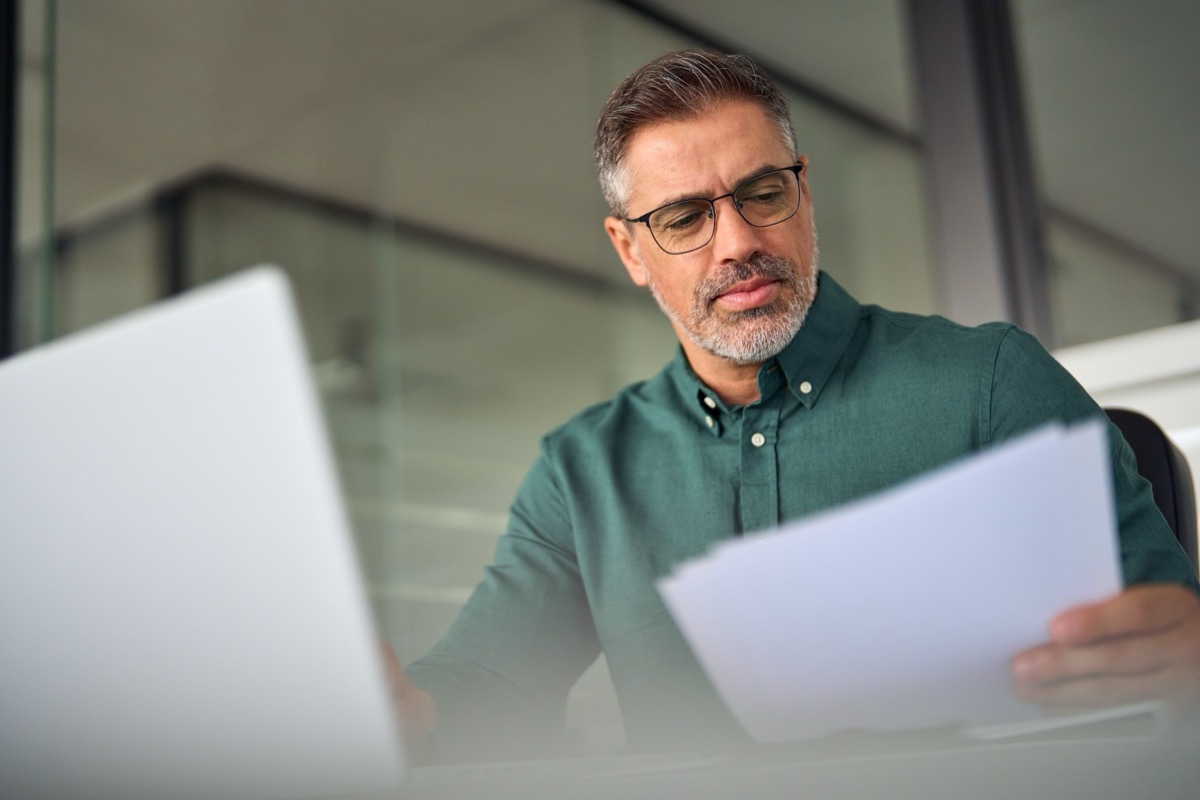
{"points": [[903, 610]]}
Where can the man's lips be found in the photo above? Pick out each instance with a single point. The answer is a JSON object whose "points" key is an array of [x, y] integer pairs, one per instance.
{"points": [[753, 293]]}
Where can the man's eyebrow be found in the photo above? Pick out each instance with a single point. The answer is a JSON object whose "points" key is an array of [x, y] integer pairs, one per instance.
{"points": [[754, 173]]}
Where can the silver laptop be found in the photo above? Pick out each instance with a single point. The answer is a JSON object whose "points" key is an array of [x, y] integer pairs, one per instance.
{"points": [[181, 610]]}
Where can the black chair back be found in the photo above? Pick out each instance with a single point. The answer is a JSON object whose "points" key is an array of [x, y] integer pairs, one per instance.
{"points": [[1164, 465]]}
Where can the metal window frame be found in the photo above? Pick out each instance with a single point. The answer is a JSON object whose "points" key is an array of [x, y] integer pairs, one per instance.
{"points": [[9, 68], [983, 198]]}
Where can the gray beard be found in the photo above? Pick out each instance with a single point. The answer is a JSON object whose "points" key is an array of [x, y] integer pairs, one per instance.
{"points": [[755, 335]]}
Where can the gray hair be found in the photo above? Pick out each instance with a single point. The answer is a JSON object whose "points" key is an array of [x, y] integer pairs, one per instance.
{"points": [[678, 86]]}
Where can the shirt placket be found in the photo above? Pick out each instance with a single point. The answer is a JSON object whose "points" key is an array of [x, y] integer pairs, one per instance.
{"points": [[759, 504]]}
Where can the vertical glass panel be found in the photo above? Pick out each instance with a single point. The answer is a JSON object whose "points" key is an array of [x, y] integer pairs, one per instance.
{"points": [[1099, 290], [1111, 91], [35, 189]]}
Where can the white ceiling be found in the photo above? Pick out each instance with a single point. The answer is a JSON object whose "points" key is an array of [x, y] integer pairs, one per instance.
{"points": [[477, 115]]}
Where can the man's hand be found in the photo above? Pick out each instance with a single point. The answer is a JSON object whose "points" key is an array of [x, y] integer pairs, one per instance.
{"points": [[414, 708], [1142, 644]]}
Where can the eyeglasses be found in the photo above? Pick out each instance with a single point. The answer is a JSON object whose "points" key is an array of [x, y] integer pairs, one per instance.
{"points": [[762, 201]]}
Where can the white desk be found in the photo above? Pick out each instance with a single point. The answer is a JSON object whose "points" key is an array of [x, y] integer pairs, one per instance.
{"points": [[1114, 765]]}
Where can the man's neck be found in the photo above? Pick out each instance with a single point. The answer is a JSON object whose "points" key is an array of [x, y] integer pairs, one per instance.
{"points": [[736, 384]]}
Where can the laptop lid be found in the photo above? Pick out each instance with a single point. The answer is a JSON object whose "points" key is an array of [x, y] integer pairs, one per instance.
{"points": [[181, 610]]}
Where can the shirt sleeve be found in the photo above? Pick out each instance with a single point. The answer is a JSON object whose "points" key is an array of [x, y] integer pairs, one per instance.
{"points": [[1028, 388], [501, 674]]}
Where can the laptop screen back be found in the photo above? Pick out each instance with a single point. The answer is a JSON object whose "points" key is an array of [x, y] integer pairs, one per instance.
{"points": [[181, 611]]}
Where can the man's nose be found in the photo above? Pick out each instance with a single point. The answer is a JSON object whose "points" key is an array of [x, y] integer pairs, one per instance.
{"points": [[734, 239]]}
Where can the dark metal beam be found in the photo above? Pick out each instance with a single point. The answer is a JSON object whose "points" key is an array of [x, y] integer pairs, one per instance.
{"points": [[170, 203], [986, 214], [9, 75], [171, 212]]}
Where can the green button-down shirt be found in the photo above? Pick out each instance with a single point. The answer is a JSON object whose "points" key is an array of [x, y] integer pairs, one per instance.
{"points": [[861, 399]]}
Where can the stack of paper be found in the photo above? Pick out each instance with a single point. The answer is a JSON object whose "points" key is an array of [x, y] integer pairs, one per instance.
{"points": [[905, 609]]}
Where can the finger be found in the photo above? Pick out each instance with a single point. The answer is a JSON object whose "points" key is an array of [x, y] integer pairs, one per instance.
{"points": [[415, 710], [1105, 690], [1130, 655], [398, 681], [1135, 611]]}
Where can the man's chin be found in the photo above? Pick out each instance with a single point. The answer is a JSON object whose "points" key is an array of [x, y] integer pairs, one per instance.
{"points": [[749, 346]]}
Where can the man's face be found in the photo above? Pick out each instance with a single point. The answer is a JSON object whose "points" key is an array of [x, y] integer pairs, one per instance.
{"points": [[743, 295]]}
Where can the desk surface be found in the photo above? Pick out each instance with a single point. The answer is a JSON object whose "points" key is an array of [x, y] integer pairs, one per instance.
{"points": [[1119, 765]]}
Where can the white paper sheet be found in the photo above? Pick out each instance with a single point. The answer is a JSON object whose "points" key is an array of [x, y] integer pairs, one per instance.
{"points": [[903, 610]]}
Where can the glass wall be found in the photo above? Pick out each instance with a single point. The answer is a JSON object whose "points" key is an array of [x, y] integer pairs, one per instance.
{"points": [[423, 173], [1111, 90]]}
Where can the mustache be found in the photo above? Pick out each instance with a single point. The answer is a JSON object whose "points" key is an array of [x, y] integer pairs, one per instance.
{"points": [[759, 266]]}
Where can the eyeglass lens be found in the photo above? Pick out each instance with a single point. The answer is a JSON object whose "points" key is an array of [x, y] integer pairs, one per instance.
{"points": [[688, 225]]}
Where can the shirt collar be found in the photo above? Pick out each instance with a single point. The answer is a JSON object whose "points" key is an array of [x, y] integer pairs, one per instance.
{"points": [[810, 358], [805, 365]]}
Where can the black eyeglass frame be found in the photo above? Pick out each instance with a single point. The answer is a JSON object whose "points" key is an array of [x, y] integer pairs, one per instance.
{"points": [[795, 169]]}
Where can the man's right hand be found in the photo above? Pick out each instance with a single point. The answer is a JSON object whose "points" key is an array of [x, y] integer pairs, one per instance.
{"points": [[1141, 644], [415, 709]]}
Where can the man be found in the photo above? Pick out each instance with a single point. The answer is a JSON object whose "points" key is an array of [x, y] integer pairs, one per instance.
{"points": [[786, 397]]}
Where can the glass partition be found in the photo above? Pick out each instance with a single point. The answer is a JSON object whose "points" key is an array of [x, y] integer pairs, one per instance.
{"points": [[440, 365], [423, 173], [1111, 92]]}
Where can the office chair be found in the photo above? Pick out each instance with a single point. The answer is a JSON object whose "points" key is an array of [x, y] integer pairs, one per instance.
{"points": [[1164, 465]]}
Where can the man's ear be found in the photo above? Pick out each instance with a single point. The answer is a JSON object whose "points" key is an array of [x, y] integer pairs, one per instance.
{"points": [[621, 235], [803, 159]]}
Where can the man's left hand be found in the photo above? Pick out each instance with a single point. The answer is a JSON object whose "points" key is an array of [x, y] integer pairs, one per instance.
{"points": [[1142, 644]]}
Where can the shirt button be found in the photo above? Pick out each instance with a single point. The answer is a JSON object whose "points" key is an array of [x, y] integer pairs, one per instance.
{"points": [[710, 421], [708, 401], [758, 440], [805, 387]]}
